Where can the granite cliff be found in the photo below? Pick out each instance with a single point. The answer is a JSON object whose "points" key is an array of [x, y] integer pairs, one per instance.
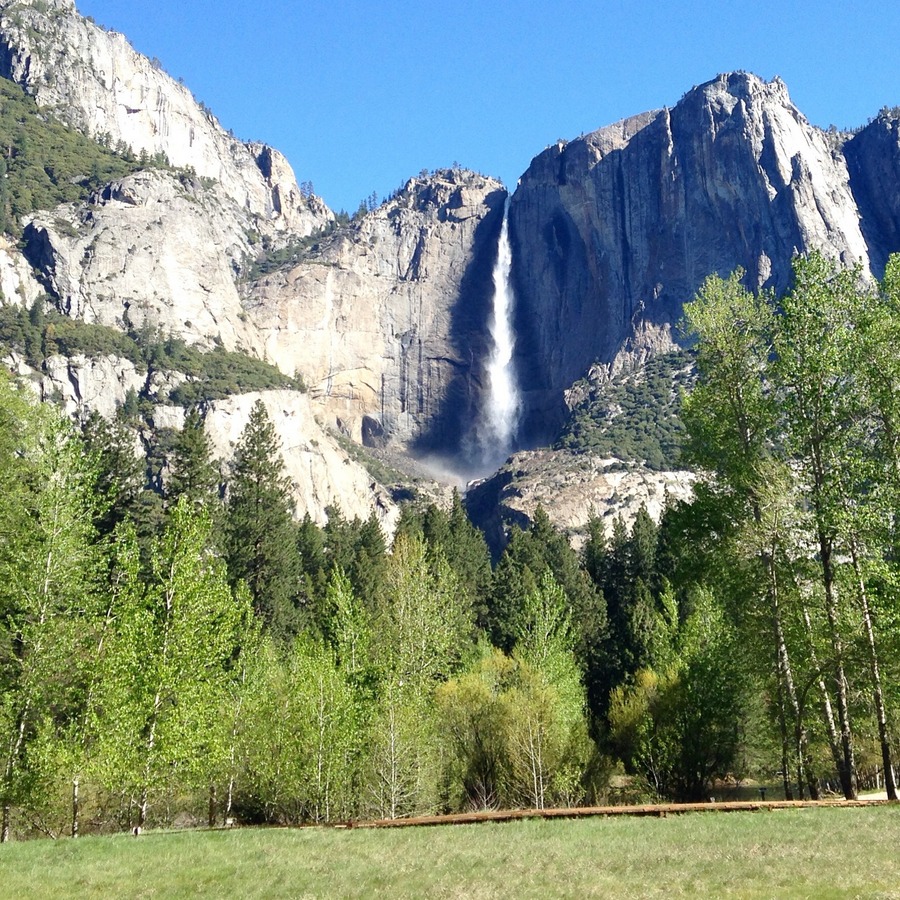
{"points": [[385, 318], [95, 81], [615, 230], [156, 249]]}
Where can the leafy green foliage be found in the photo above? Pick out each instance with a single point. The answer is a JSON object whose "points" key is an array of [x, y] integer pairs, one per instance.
{"points": [[679, 726], [48, 566], [329, 676], [299, 738], [635, 415], [795, 414], [173, 656]]}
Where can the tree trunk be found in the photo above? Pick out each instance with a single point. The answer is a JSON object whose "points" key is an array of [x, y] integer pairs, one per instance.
{"points": [[834, 743], [142, 809], [212, 806], [878, 696], [151, 744], [229, 794], [75, 807], [847, 768], [229, 800], [10, 771], [785, 745], [786, 679]]}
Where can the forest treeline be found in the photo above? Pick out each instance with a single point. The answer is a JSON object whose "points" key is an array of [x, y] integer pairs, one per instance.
{"points": [[176, 646]]}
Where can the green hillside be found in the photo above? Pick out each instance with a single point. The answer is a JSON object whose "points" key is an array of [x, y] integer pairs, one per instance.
{"points": [[43, 163], [635, 415]]}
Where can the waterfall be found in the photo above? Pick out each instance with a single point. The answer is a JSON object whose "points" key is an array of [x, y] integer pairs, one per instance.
{"points": [[496, 427]]}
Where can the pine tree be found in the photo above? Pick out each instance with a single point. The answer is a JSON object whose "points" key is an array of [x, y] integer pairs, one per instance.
{"points": [[120, 471], [465, 549], [358, 549], [679, 725], [260, 535], [528, 556], [313, 574], [193, 473]]}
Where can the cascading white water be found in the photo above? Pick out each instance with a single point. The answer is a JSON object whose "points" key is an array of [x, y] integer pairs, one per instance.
{"points": [[496, 427]]}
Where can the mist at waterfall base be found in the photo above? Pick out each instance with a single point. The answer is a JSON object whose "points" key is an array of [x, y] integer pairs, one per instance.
{"points": [[493, 434]]}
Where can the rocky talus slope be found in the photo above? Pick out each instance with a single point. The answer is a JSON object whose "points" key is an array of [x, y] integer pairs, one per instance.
{"points": [[572, 488]]}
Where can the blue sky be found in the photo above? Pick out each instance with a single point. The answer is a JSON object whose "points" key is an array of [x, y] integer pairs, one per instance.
{"points": [[362, 94]]}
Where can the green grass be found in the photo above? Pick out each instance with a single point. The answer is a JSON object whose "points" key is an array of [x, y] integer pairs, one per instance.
{"points": [[821, 853]]}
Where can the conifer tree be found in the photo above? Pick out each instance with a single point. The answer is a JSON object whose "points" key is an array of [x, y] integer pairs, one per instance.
{"points": [[679, 725], [313, 574], [358, 549], [528, 556], [193, 473], [260, 535], [465, 549], [120, 471]]}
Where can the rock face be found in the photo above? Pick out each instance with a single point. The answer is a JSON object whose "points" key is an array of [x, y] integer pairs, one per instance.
{"points": [[321, 473], [387, 321], [18, 286], [571, 487], [95, 81], [873, 160], [156, 249], [613, 232], [81, 385]]}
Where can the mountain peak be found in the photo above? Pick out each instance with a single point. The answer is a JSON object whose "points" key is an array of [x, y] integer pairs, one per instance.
{"points": [[728, 89], [100, 85]]}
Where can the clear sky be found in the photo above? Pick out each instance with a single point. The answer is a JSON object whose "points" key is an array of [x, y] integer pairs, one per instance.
{"points": [[362, 94]]}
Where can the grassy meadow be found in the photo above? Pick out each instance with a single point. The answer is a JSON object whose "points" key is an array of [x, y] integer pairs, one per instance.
{"points": [[820, 853]]}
